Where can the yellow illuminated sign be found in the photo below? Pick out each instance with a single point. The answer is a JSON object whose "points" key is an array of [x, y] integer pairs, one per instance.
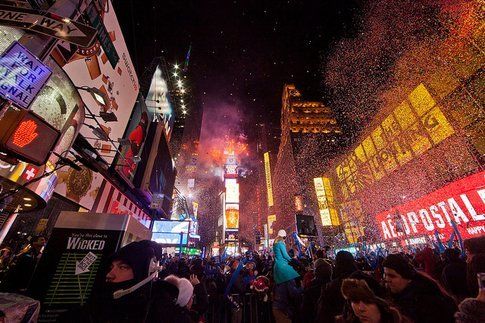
{"points": [[352, 216], [325, 198], [269, 185], [271, 220], [414, 126]]}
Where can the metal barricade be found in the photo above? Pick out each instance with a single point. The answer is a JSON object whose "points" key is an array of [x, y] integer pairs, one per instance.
{"points": [[245, 308]]}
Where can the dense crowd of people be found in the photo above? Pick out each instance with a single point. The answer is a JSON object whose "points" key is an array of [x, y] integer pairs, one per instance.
{"points": [[144, 285]]}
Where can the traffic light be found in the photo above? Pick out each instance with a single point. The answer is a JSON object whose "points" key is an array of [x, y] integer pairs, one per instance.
{"points": [[25, 135]]}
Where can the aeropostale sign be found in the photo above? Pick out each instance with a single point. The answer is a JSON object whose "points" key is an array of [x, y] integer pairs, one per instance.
{"points": [[462, 201]]}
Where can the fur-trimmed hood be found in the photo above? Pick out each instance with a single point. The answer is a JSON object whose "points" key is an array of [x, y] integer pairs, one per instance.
{"points": [[470, 310]]}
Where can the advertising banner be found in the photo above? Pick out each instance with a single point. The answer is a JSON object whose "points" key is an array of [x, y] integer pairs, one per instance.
{"points": [[158, 102], [271, 220], [170, 232], [412, 128], [81, 186], [232, 190], [231, 235], [75, 261], [232, 216], [325, 198], [462, 202], [135, 135], [267, 172], [106, 66]]}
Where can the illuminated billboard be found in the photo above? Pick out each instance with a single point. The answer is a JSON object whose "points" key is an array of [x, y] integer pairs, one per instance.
{"points": [[271, 220], [232, 190], [325, 198], [231, 216], [413, 127], [106, 66], [269, 185], [169, 232], [158, 102], [462, 202], [135, 135]]}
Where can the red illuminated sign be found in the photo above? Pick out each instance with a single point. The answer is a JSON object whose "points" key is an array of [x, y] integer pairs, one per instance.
{"points": [[25, 133], [462, 201], [26, 136]]}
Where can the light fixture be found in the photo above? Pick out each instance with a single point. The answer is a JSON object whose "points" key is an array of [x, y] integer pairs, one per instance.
{"points": [[27, 199], [175, 74], [98, 132], [182, 90], [179, 83], [108, 116], [97, 94], [27, 204], [176, 66]]}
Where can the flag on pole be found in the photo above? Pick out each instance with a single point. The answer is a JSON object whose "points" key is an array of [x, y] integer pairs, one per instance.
{"points": [[187, 58]]}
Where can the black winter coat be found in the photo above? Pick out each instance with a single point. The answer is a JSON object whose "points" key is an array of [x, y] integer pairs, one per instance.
{"points": [[422, 301]]}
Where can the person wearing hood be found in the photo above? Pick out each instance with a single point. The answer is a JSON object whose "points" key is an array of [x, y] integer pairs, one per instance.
{"points": [[473, 309], [331, 302], [453, 275], [322, 275], [416, 295], [365, 306], [130, 292], [286, 294]]}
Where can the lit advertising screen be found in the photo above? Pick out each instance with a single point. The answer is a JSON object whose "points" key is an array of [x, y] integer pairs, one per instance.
{"points": [[168, 232], [232, 190], [134, 140], [158, 102], [267, 172], [171, 226], [462, 201], [413, 127], [326, 207], [271, 220], [232, 216], [107, 67]]}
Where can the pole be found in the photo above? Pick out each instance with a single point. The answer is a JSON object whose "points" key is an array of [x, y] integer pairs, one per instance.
{"points": [[180, 246]]}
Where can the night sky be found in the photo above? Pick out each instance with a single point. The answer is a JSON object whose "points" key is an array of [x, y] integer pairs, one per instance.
{"points": [[242, 52]]}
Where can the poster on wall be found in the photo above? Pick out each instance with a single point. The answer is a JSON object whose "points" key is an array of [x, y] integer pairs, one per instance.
{"points": [[81, 186], [107, 67], [76, 258], [134, 139]]}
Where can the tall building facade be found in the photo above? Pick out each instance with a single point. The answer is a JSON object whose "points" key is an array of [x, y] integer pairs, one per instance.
{"points": [[309, 137]]}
